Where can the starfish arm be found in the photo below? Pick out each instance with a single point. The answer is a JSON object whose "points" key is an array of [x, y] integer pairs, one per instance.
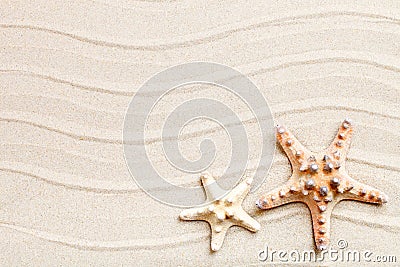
{"points": [[279, 196], [363, 193], [239, 193], [218, 233], [244, 220], [339, 148], [212, 189], [192, 214], [321, 226], [295, 151]]}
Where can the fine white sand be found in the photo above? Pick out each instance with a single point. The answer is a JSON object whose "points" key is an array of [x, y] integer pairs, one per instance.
{"points": [[68, 70]]}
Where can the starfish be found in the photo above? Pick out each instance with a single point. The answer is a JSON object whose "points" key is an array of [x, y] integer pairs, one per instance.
{"points": [[222, 213], [320, 181]]}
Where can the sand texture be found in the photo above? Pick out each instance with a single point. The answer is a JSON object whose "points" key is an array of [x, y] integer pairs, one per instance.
{"points": [[68, 70]]}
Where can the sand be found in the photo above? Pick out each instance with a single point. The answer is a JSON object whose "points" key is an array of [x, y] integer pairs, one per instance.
{"points": [[69, 70]]}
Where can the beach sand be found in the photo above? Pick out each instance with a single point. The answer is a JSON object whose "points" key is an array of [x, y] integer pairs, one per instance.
{"points": [[70, 68]]}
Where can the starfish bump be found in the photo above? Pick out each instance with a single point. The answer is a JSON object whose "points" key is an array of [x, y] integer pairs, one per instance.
{"points": [[320, 181], [222, 213]]}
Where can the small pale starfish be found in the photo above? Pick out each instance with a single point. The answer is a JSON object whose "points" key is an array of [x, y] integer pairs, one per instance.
{"points": [[320, 181], [222, 213]]}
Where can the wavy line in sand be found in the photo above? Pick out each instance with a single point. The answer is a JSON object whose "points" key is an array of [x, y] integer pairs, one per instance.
{"points": [[326, 60], [129, 189], [206, 38], [119, 245], [134, 244], [188, 90], [68, 134], [59, 150], [252, 73], [387, 224], [153, 140], [70, 185], [72, 84], [376, 165], [161, 64], [98, 107], [103, 161], [74, 53]]}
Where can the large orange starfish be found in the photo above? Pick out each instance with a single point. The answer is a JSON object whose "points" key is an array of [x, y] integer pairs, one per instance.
{"points": [[320, 181]]}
